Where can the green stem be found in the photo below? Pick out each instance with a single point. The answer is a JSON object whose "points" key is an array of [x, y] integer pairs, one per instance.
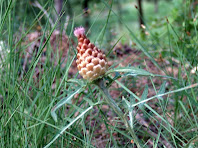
{"points": [[114, 106]]}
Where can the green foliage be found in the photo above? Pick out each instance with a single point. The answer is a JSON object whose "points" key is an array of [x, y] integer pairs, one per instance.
{"points": [[45, 105]]}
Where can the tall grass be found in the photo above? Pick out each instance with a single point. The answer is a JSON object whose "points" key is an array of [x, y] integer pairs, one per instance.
{"points": [[56, 109]]}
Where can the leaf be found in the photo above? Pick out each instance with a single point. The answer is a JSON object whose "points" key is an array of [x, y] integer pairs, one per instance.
{"points": [[130, 109], [144, 97], [127, 102], [133, 71], [111, 80], [88, 101], [80, 82], [117, 75], [161, 90], [64, 101]]}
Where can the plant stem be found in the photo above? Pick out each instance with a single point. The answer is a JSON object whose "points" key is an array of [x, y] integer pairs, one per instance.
{"points": [[114, 106]]}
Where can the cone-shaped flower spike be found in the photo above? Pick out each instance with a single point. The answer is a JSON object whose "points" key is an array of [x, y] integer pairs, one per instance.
{"points": [[91, 62]]}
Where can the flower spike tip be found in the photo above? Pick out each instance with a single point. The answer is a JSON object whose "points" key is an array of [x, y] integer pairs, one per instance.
{"points": [[91, 62]]}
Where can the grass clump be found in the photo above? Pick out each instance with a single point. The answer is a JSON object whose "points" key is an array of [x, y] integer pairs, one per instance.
{"points": [[147, 98]]}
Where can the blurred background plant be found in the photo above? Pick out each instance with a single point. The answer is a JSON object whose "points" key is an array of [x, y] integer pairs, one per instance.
{"points": [[37, 54]]}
